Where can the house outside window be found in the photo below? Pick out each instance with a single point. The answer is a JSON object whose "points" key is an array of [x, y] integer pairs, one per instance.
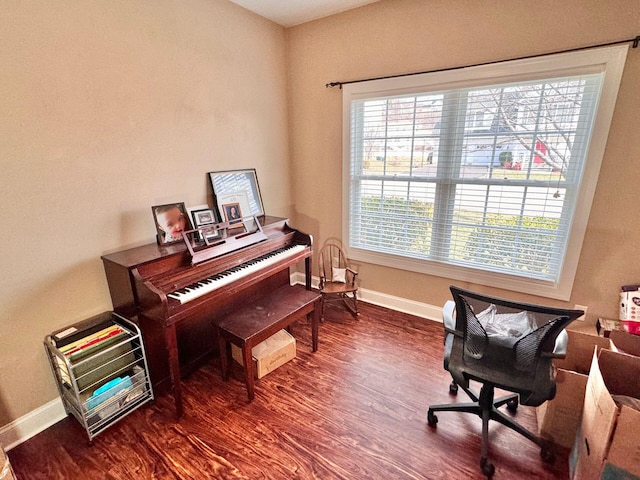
{"points": [[483, 174]]}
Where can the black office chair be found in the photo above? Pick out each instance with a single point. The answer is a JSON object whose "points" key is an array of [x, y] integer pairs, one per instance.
{"points": [[501, 344]]}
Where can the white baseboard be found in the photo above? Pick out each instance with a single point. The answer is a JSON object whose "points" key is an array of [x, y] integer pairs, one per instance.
{"points": [[43, 417], [31, 424], [403, 305], [398, 304]]}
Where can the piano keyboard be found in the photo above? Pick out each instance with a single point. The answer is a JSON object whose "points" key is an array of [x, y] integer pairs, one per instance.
{"points": [[202, 287]]}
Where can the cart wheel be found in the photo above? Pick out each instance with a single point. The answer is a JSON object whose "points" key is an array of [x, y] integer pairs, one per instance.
{"points": [[512, 405], [453, 388]]}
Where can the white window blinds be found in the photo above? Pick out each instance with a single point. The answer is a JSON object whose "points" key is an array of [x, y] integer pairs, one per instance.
{"points": [[480, 173]]}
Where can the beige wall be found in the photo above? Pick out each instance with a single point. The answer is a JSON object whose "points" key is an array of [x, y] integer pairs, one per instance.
{"points": [[401, 36], [107, 108]]}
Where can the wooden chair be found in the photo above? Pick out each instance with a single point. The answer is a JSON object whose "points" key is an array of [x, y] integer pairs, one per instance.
{"points": [[338, 281]]}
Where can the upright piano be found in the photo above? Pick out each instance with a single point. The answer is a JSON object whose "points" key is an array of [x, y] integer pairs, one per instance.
{"points": [[175, 301]]}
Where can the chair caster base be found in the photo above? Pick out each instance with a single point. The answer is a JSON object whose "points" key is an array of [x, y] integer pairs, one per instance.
{"points": [[547, 454], [487, 467], [432, 418]]}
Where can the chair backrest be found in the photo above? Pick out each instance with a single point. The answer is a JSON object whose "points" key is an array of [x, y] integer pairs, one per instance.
{"points": [[331, 255], [505, 343]]}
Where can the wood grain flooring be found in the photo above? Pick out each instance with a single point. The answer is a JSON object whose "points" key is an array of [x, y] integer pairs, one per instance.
{"points": [[354, 410]]}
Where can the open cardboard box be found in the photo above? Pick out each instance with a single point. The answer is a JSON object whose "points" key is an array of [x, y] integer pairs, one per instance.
{"points": [[268, 355], [6, 472], [625, 342], [606, 445], [558, 419]]}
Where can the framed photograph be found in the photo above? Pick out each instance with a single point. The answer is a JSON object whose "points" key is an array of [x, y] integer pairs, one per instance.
{"points": [[171, 220], [239, 186], [232, 212], [203, 216]]}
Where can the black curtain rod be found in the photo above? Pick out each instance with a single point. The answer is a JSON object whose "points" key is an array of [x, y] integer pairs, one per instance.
{"points": [[635, 41]]}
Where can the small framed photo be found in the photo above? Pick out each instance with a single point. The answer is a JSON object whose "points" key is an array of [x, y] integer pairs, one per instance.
{"points": [[204, 220], [203, 217], [171, 220], [233, 214]]}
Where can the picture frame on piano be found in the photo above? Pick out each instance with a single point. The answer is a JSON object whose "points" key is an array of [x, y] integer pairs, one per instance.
{"points": [[233, 216], [171, 220], [241, 186], [232, 211], [201, 216]]}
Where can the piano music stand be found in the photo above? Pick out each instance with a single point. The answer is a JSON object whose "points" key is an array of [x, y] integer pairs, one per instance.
{"points": [[227, 241]]}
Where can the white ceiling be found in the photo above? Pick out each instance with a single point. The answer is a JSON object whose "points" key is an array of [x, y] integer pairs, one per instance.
{"points": [[294, 12]]}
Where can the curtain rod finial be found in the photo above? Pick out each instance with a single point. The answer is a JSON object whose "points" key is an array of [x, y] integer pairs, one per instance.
{"points": [[334, 84]]}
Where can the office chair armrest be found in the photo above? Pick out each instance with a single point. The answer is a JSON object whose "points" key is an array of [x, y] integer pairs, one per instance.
{"points": [[447, 316], [560, 348]]}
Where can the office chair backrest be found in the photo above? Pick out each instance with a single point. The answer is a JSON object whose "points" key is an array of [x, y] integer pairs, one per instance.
{"points": [[506, 343]]}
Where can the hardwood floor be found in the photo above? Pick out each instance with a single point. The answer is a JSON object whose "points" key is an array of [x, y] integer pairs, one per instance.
{"points": [[355, 409]]}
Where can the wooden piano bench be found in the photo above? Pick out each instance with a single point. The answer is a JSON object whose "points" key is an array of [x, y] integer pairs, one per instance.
{"points": [[258, 320]]}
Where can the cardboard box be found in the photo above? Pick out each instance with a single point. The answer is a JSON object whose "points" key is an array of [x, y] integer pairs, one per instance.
{"points": [[558, 419], [607, 445], [6, 472], [605, 326], [625, 342], [270, 354]]}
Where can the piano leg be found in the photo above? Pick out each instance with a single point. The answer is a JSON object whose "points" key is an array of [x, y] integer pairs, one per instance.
{"points": [[307, 272], [174, 367], [224, 356]]}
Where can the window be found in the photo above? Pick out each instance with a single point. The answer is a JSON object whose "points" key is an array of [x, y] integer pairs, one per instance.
{"points": [[484, 174]]}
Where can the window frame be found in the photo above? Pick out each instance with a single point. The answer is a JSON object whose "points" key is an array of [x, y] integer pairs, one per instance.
{"points": [[608, 60]]}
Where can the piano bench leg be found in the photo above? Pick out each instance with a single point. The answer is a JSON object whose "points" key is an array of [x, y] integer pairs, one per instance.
{"points": [[223, 346], [247, 360]]}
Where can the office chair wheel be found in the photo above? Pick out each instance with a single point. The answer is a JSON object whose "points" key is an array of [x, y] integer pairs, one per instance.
{"points": [[453, 388], [487, 467], [432, 419], [512, 405]]}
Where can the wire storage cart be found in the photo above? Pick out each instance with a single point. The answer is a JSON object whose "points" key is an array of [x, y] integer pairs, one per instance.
{"points": [[100, 368]]}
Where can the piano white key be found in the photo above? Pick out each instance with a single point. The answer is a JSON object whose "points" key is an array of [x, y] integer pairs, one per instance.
{"points": [[225, 278]]}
